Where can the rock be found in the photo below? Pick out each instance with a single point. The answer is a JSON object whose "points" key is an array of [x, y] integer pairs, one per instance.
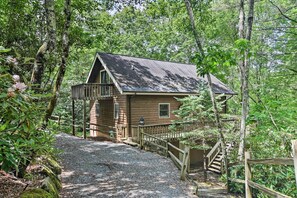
{"points": [[36, 193], [53, 165], [50, 186]]}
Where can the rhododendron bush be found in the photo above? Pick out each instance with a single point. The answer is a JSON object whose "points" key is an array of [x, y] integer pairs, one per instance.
{"points": [[21, 138]]}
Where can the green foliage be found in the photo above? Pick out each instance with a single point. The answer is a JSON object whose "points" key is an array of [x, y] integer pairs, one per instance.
{"points": [[198, 109], [20, 138], [215, 58]]}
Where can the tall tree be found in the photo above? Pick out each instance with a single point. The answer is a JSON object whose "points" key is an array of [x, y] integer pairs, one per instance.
{"points": [[47, 47], [244, 70], [63, 65], [209, 82]]}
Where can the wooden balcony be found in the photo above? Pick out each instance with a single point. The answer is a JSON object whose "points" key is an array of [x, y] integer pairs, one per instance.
{"points": [[92, 91]]}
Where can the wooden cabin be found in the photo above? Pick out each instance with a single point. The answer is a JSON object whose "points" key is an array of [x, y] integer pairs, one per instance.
{"points": [[125, 91]]}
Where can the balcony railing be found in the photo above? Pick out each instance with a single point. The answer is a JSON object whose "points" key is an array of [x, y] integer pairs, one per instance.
{"points": [[92, 91]]}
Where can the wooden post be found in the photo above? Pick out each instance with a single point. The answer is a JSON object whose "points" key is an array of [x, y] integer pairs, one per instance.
{"points": [[138, 134], [85, 125], [248, 175], [167, 149], [228, 176], [73, 119], [294, 148], [141, 137], [185, 163]]}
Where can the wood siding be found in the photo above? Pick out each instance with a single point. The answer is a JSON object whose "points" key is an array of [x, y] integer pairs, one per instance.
{"points": [[148, 108]]}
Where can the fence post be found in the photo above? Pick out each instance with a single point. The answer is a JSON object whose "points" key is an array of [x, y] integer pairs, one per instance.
{"points": [[294, 148], [138, 134], [248, 174], [167, 149], [85, 120], [227, 176], [141, 137], [73, 118], [185, 163]]}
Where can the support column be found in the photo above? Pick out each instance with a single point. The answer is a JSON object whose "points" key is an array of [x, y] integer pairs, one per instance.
{"points": [[85, 125], [73, 118], [129, 116]]}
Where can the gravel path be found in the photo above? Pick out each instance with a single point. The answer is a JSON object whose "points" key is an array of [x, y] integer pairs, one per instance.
{"points": [[106, 169]]}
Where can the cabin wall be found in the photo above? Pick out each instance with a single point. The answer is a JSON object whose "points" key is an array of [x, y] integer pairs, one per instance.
{"points": [[148, 108]]}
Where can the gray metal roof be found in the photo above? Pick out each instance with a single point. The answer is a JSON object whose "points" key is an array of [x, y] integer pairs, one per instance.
{"points": [[146, 75]]}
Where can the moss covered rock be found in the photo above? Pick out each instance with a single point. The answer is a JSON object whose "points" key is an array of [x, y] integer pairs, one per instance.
{"points": [[36, 193], [53, 165], [50, 186]]}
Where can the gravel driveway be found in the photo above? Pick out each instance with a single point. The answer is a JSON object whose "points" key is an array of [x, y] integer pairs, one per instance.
{"points": [[106, 169]]}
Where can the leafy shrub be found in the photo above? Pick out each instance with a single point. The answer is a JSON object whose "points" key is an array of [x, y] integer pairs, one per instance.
{"points": [[20, 116]]}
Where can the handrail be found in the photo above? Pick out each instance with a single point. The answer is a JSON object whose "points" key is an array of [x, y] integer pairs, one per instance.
{"points": [[266, 190], [213, 149], [213, 153], [169, 144], [274, 161]]}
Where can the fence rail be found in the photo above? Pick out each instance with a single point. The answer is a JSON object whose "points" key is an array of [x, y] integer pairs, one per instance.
{"points": [[249, 184], [164, 145]]}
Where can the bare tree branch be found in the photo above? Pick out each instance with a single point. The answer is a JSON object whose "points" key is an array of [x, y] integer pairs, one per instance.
{"points": [[282, 13]]}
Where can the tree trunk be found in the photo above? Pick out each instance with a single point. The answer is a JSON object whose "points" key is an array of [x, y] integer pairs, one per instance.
{"points": [[63, 65], [47, 47], [209, 82], [244, 68]]}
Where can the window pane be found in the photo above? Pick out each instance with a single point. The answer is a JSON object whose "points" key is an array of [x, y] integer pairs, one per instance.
{"points": [[116, 110], [97, 109], [164, 110]]}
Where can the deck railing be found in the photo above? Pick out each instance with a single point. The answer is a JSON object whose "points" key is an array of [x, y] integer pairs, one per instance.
{"points": [[91, 91]]}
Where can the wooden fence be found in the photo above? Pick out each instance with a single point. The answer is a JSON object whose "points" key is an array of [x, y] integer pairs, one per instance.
{"points": [[164, 145], [249, 184]]}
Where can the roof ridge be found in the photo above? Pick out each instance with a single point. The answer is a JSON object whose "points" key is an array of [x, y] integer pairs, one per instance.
{"points": [[189, 64]]}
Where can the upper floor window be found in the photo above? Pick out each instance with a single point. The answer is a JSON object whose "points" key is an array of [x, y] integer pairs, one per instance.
{"points": [[104, 79], [164, 110]]}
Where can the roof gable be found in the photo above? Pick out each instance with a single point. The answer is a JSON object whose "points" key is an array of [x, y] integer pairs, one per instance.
{"points": [[132, 74]]}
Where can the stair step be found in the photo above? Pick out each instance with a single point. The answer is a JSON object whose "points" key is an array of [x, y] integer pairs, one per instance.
{"points": [[218, 167], [214, 170], [218, 158], [217, 163]]}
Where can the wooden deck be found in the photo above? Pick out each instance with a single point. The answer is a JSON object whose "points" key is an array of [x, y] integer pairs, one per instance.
{"points": [[92, 91]]}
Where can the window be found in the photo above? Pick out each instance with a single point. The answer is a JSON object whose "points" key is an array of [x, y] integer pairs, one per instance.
{"points": [[104, 79], [164, 110], [97, 108], [116, 110]]}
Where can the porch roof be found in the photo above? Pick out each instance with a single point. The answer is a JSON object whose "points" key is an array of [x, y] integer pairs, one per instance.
{"points": [[142, 75]]}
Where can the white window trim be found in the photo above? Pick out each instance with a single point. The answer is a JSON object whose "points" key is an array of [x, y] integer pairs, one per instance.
{"points": [[114, 108], [108, 77], [168, 110]]}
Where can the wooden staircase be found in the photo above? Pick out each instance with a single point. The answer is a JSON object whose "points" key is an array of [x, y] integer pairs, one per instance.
{"points": [[215, 157]]}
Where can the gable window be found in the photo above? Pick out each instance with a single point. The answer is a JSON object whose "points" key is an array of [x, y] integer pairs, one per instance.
{"points": [[104, 79], [116, 110], [164, 110], [97, 108]]}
